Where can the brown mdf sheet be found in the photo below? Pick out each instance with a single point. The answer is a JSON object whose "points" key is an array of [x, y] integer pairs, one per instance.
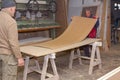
{"points": [[40, 51], [77, 31]]}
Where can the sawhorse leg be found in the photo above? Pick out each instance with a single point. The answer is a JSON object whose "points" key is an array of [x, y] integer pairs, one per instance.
{"points": [[95, 53], [26, 68], [45, 66], [43, 72], [74, 56], [94, 59]]}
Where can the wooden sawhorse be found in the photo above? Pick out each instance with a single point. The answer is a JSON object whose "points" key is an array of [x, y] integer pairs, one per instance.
{"points": [[40, 51], [95, 58], [43, 71]]}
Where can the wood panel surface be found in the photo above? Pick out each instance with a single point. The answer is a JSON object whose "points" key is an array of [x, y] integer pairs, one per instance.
{"points": [[77, 31], [40, 51]]}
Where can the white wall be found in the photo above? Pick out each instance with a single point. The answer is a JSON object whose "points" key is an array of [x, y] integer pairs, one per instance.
{"points": [[75, 7]]}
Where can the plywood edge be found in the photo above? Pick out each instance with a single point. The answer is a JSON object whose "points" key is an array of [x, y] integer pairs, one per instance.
{"points": [[110, 75]]}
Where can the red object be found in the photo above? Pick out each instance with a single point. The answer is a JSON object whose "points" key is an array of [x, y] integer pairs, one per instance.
{"points": [[92, 34]]}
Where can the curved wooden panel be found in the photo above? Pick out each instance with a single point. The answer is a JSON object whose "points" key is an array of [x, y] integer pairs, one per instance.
{"points": [[77, 31]]}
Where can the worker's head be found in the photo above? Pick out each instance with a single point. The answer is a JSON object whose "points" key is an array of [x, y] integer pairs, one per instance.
{"points": [[9, 5], [87, 13]]}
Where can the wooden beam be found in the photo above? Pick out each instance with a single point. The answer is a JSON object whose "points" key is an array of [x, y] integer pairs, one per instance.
{"points": [[105, 26], [61, 15]]}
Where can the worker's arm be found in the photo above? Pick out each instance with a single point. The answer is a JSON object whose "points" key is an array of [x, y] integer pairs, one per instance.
{"points": [[13, 42]]}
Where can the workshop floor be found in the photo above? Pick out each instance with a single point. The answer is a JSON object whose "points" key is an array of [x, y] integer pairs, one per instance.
{"points": [[110, 60]]}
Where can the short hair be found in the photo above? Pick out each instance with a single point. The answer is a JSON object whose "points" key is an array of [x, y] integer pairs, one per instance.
{"points": [[87, 10]]}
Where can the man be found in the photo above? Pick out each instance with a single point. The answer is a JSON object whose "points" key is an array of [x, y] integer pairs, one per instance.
{"points": [[89, 15], [93, 32], [9, 47]]}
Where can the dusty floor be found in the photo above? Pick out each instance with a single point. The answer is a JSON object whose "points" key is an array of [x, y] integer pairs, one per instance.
{"points": [[110, 60]]}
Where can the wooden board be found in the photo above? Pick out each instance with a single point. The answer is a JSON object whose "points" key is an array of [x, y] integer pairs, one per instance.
{"points": [[40, 51], [115, 77], [77, 31], [112, 75], [107, 42]]}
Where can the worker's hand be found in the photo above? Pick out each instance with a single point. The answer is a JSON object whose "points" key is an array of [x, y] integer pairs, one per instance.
{"points": [[20, 62], [95, 17]]}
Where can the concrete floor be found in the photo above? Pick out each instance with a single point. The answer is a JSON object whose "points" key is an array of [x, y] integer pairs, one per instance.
{"points": [[110, 60]]}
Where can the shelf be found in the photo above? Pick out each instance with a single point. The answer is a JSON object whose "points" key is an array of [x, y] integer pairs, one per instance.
{"points": [[21, 6], [31, 26], [34, 22], [34, 29], [40, 9], [26, 1]]}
